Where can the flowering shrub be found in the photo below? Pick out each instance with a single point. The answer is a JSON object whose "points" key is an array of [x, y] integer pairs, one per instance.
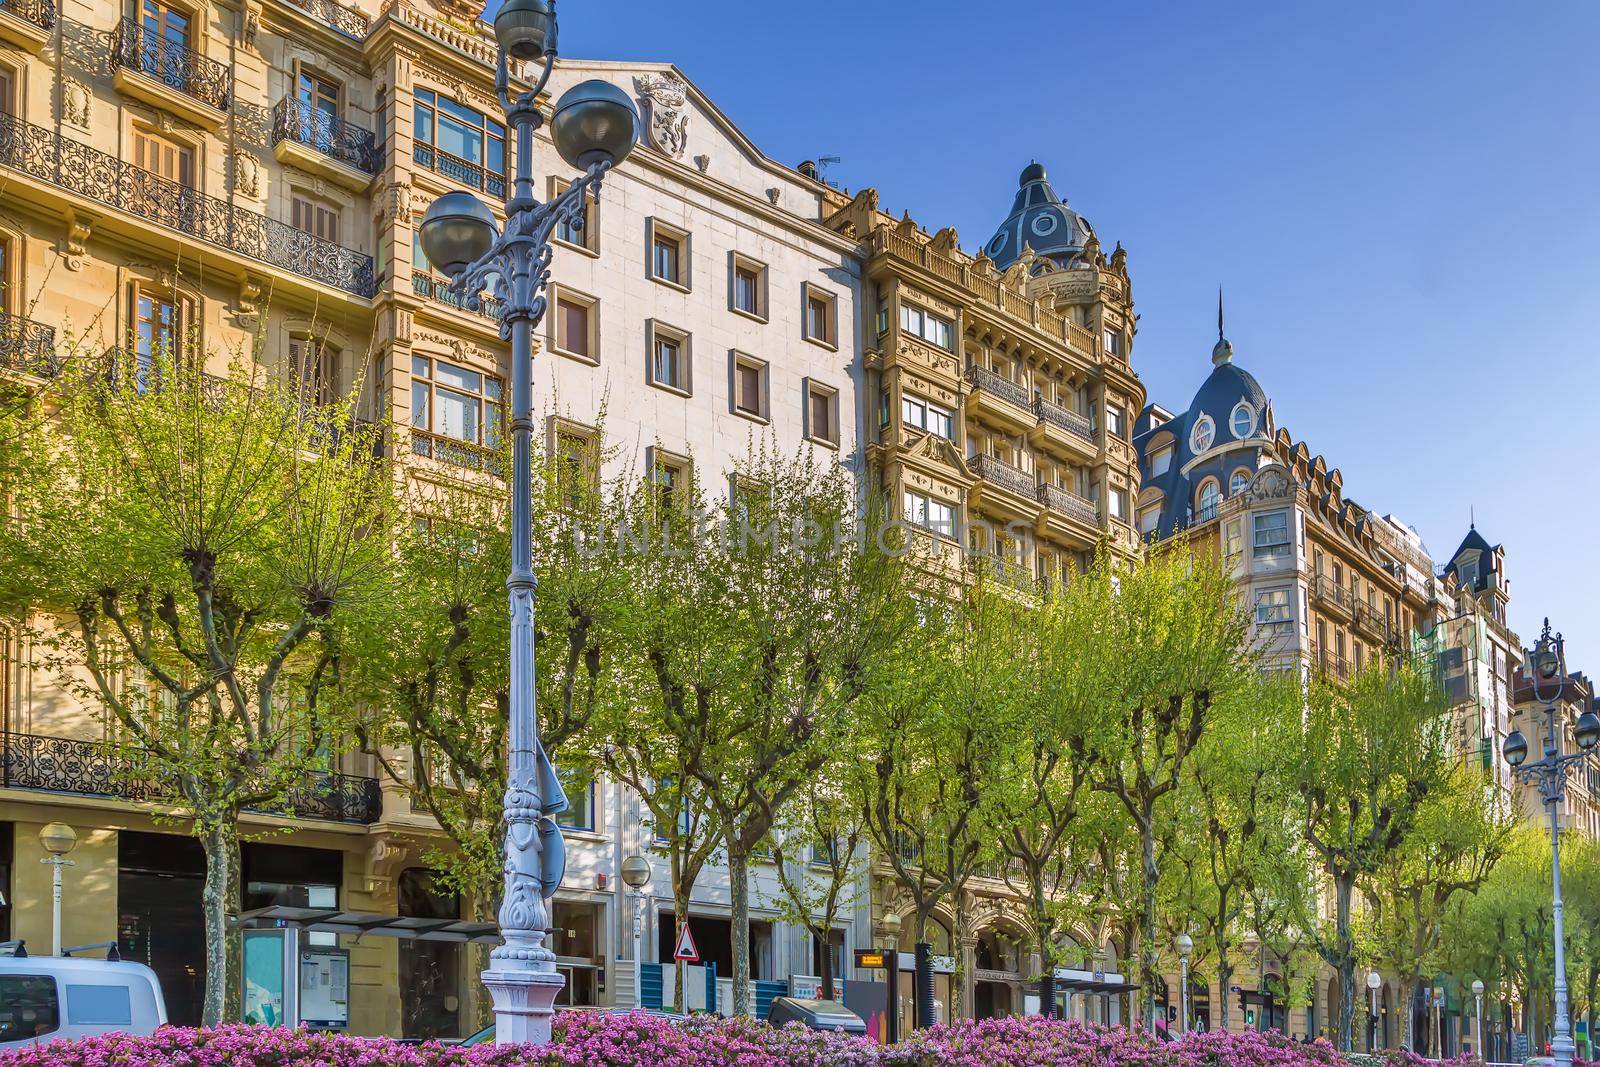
{"points": [[592, 1039]]}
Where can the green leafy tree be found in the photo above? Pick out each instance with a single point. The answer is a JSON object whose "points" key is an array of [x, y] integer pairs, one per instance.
{"points": [[1365, 758], [195, 543], [1460, 834], [1172, 646]]}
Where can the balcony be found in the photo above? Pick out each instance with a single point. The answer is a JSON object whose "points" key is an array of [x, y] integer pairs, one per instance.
{"points": [[460, 170], [1331, 666], [28, 347], [170, 75], [439, 289], [1001, 399], [1062, 428], [95, 769], [1371, 621], [1333, 595], [457, 453], [1068, 503], [311, 139], [27, 23], [346, 20], [67, 164]]}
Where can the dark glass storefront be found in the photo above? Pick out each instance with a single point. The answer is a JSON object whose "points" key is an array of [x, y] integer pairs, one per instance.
{"points": [[430, 971], [7, 844], [160, 878]]}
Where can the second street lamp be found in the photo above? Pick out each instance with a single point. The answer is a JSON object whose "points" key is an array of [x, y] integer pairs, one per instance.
{"points": [[1185, 945], [596, 126], [1548, 676]]}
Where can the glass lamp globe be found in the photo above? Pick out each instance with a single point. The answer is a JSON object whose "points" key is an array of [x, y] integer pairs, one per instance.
{"points": [[1185, 945], [58, 838], [1587, 732], [457, 229], [594, 122], [1374, 979], [526, 29], [636, 872], [1515, 749], [1545, 659], [1477, 987]]}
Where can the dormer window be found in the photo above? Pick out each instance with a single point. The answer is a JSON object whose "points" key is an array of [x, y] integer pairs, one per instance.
{"points": [[1205, 432], [1467, 571], [1243, 420]]}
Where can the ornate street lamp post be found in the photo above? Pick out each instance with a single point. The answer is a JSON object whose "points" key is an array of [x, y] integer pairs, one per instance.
{"points": [[1477, 1012], [636, 874], [58, 839], [1547, 663], [1374, 981], [594, 127]]}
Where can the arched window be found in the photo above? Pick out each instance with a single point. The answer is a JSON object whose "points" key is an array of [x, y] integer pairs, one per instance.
{"points": [[1238, 482], [1205, 501], [1205, 431], [1243, 420]]}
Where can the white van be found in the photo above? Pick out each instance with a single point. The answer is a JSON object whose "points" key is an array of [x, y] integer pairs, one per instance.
{"points": [[43, 998]]}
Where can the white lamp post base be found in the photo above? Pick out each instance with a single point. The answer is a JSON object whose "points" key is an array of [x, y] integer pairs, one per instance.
{"points": [[524, 1003]]}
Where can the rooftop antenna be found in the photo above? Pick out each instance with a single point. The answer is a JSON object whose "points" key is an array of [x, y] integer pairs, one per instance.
{"points": [[822, 167]]}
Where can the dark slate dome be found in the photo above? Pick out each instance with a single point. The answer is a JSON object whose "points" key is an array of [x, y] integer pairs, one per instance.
{"points": [[1225, 389], [1040, 219]]}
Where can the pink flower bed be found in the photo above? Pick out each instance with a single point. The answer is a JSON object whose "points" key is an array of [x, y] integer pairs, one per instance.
{"points": [[585, 1039]]}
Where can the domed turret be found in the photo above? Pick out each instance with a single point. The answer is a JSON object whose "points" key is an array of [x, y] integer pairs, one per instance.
{"points": [[1041, 220]]}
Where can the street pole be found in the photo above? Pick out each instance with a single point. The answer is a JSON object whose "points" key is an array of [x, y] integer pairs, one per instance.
{"points": [[58, 839], [1183, 993], [1477, 1014], [638, 949], [594, 126], [1547, 663]]}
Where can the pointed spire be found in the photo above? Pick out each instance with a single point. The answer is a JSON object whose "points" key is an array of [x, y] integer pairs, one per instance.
{"points": [[1222, 352]]}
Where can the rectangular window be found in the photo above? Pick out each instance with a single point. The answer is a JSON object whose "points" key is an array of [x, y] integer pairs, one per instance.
{"points": [[164, 158], [576, 453], [819, 322], [99, 1005], [670, 473], [29, 1007], [925, 415], [316, 218], [459, 142], [669, 357], [1271, 537], [1119, 504], [314, 366], [580, 790], [749, 287], [577, 326], [1113, 343], [1114, 423], [582, 229], [922, 510], [1161, 462], [822, 418], [1232, 536], [931, 328], [455, 402], [1273, 609], [749, 386], [669, 254]]}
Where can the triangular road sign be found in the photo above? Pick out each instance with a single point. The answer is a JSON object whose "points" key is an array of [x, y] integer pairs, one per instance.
{"points": [[686, 949]]}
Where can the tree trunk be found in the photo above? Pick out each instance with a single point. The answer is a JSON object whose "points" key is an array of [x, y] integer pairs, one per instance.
{"points": [[1224, 974], [680, 919], [1149, 963], [825, 964], [739, 893], [1408, 997], [1345, 959], [219, 839]]}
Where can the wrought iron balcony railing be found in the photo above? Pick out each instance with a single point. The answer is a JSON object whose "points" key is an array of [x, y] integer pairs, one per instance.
{"points": [[456, 452], [1064, 418], [1333, 593], [346, 20], [145, 51], [96, 769], [105, 179], [458, 169], [42, 13], [28, 346], [439, 289], [1068, 503], [1006, 476], [352, 145], [1004, 388]]}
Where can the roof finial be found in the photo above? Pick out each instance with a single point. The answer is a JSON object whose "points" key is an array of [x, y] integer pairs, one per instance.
{"points": [[1472, 516], [1222, 352]]}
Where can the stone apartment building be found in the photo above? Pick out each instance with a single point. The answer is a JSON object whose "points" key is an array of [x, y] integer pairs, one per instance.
{"points": [[238, 175]]}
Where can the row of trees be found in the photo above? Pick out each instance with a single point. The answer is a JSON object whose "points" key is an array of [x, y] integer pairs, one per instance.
{"points": [[248, 588]]}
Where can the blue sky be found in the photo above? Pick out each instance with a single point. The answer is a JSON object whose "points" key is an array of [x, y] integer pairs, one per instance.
{"points": [[1402, 202]]}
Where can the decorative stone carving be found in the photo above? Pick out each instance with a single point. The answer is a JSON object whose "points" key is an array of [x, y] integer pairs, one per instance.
{"points": [[666, 97], [773, 194], [75, 247], [402, 326], [246, 174], [75, 100], [247, 309], [703, 162], [252, 21], [400, 201]]}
